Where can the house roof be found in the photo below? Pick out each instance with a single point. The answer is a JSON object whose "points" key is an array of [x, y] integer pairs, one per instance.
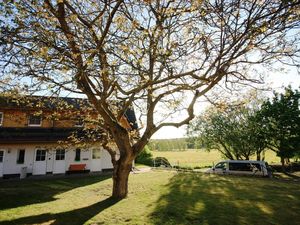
{"points": [[56, 103], [131, 118], [32, 134], [42, 102]]}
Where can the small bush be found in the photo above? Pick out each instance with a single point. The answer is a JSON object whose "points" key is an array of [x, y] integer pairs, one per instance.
{"points": [[145, 157], [162, 161], [288, 168], [197, 167]]}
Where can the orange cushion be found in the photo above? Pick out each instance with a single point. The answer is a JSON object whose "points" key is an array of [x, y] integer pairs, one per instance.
{"points": [[74, 167]]}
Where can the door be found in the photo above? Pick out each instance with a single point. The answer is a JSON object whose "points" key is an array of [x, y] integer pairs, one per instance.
{"points": [[220, 168], [40, 165], [2, 153], [59, 161], [50, 161], [96, 160]]}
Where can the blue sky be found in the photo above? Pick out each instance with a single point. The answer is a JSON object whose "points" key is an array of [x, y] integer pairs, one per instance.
{"points": [[276, 81]]}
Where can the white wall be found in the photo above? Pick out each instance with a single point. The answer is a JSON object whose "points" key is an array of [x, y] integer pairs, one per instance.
{"points": [[10, 165], [85, 157], [106, 160]]}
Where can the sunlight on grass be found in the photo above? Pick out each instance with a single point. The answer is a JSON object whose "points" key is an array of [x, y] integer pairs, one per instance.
{"points": [[77, 198], [219, 191], [154, 198], [235, 200], [264, 208], [191, 158], [291, 197], [202, 158]]}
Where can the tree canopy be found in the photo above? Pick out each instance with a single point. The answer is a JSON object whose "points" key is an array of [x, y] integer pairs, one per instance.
{"points": [[231, 128], [240, 130], [280, 118], [158, 56]]}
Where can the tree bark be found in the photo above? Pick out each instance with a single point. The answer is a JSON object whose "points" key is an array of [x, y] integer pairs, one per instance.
{"points": [[120, 178], [258, 156], [282, 164]]}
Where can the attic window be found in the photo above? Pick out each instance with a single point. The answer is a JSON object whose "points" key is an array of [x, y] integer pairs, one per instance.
{"points": [[79, 123], [34, 121], [1, 118]]}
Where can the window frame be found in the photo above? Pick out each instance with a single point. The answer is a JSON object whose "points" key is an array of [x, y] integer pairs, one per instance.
{"points": [[219, 167], [77, 154], [40, 158], [34, 124], [1, 118], [240, 166], [60, 154], [18, 157], [2, 156], [94, 156], [256, 166], [79, 123]]}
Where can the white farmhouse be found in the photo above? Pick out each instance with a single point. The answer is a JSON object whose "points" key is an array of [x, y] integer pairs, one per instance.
{"points": [[31, 132]]}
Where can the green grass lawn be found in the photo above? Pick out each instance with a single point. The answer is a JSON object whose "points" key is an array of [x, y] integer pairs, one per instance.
{"points": [[201, 158], [157, 197]]}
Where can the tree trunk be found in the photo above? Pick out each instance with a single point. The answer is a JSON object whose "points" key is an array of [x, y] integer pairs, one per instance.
{"points": [[258, 156], [120, 179], [263, 155], [282, 164]]}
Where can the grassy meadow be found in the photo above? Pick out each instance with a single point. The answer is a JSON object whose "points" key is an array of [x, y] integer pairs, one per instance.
{"points": [[156, 197], [201, 158]]}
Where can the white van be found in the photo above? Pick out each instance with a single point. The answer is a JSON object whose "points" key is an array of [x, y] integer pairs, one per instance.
{"points": [[241, 167]]}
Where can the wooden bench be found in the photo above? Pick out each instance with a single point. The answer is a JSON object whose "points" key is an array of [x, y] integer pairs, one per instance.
{"points": [[77, 168]]}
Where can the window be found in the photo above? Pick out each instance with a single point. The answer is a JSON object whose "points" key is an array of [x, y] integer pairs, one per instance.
{"points": [[40, 155], [21, 156], [1, 156], [96, 154], [240, 166], [1, 118], [79, 123], [60, 154], [221, 165], [256, 166], [77, 154], [34, 121]]}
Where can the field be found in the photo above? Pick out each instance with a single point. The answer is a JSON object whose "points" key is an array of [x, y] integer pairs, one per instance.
{"points": [[155, 197], [201, 158]]}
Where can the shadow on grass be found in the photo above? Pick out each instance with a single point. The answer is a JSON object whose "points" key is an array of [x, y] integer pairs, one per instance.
{"points": [[204, 199], [292, 176], [26, 192], [74, 217]]}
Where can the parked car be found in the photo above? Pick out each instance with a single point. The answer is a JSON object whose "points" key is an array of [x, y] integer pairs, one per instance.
{"points": [[161, 162], [242, 167]]}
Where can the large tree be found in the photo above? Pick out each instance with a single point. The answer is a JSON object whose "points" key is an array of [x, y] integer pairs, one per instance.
{"points": [[280, 121], [159, 56], [232, 129]]}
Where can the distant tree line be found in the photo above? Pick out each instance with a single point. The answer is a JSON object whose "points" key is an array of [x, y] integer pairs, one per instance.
{"points": [[247, 128], [176, 144]]}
